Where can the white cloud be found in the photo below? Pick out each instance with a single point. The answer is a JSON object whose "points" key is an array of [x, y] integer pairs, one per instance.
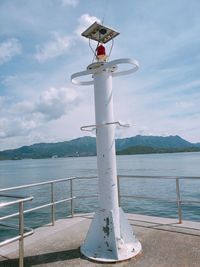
{"points": [[58, 46], [73, 3], [1, 100], [15, 127], [25, 107], [20, 119], [84, 22], [9, 49], [55, 102], [184, 104]]}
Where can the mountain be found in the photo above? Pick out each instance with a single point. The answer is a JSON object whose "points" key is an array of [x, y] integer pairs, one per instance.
{"points": [[152, 150], [86, 146], [153, 141]]}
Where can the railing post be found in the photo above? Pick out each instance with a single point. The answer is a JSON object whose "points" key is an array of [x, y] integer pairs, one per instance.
{"points": [[118, 189], [72, 200], [178, 196], [21, 233], [53, 205]]}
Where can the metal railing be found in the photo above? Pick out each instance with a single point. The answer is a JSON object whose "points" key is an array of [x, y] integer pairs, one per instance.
{"points": [[179, 200], [21, 228], [22, 211], [52, 203]]}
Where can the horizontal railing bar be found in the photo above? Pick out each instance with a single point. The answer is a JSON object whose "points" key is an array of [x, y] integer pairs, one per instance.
{"points": [[12, 196], [45, 183], [13, 239], [10, 240], [63, 200], [147, 176], [189, 201], [48, 205], [79, 197], [188, 177], [148, 198], [86, 177], [5, 204], [160, 199], [158, 177], [36, 184], [36, 208], [9, 216]]}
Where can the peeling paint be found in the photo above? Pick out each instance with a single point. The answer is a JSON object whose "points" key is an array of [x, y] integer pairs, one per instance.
{"points": [[106, 228]]}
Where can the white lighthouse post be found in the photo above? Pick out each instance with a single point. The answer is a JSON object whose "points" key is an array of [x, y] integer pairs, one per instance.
{"points": [[110, 237]]}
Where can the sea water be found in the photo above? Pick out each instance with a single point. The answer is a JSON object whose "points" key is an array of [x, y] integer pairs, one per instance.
{"points": [[20, 172]]}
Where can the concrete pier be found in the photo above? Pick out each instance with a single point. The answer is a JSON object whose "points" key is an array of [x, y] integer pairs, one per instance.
{"points": [[165, 244]]}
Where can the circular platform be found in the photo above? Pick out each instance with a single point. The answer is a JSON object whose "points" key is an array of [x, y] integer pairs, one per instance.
{"points": [[111, 66]]}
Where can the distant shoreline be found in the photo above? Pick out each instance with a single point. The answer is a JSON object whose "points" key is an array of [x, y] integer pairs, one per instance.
{"points": [[119, 153], [86, 146]]}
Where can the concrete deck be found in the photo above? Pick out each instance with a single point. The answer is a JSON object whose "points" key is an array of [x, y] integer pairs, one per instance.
{"points": [[165, 244]]}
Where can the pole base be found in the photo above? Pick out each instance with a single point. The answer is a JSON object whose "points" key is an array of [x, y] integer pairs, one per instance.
{"points": [[102, 244]]}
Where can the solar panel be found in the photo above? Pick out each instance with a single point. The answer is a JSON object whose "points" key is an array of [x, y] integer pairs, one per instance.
{"points": [[99, 33]]}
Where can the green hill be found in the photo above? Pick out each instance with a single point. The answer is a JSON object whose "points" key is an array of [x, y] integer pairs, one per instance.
{"points": [[86, 146], [151, 150]]}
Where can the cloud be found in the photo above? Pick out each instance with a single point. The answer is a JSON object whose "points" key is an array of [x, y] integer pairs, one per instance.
{"points": [[1, 100], [58, 46], [9, 49], [24, 107], [55, 102], [84, 22], [184, 104], [17, 119], [73, 3], [20, 119], [15, 127]]}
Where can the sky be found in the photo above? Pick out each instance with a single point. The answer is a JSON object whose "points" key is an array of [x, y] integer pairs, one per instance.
{"points": [[41, 47]]}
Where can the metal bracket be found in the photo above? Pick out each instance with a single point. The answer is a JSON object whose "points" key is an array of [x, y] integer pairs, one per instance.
{"points": [[94, 126]]}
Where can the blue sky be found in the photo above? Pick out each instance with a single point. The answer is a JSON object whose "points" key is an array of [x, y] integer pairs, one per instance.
{"points": [[41, 46]]}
